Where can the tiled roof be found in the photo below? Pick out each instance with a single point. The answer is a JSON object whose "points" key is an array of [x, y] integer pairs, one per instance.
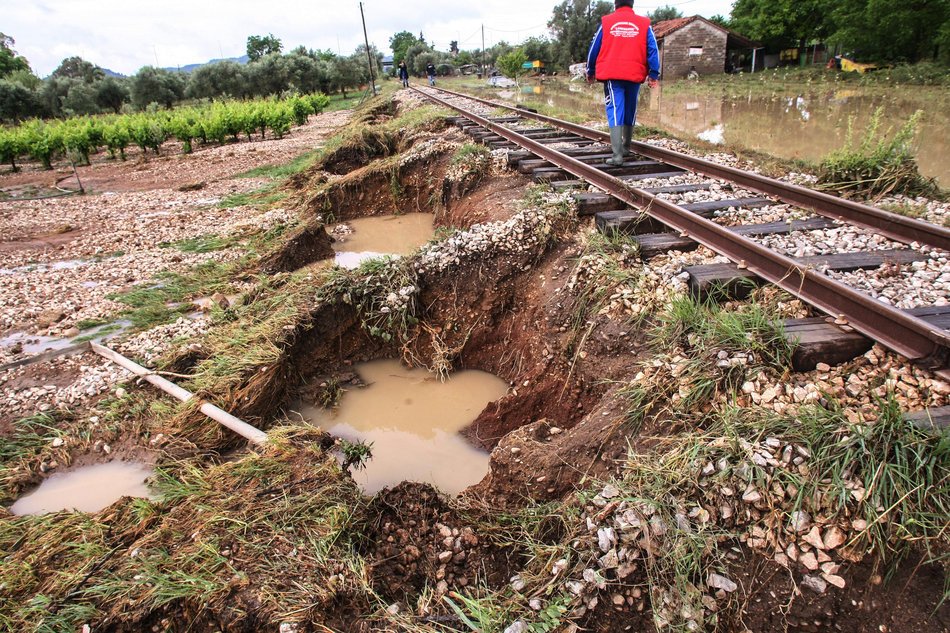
{"points": [[664, 28]]}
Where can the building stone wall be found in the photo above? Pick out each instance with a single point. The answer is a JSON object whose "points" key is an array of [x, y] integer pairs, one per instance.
{"points": [[675, 58]]}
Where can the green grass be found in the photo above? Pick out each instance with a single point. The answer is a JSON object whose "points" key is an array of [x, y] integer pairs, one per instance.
{"points": [[285, 170], [149, 306], [265, 196], [707, 326], [109, 329], [337, 102], [85, 324], [881, 164], [202, 244], [469, 152]]}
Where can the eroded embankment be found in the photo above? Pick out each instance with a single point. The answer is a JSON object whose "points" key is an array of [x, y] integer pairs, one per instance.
{"points": [[635, 480]]}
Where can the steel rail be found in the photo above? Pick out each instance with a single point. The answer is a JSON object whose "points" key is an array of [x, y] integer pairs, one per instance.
{"points": [[896, 227], [903, 333]]}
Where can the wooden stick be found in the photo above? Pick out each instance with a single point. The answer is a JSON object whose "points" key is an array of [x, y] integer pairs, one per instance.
{"points": [[221, 416]]}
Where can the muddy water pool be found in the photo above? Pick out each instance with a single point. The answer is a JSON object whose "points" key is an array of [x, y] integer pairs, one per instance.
{"points": [[791, 122], [366, 238], [412, 419], [87, 489]]}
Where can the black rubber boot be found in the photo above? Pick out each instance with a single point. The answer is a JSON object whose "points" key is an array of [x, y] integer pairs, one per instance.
{"points": [[627, 136], [616, 146]]}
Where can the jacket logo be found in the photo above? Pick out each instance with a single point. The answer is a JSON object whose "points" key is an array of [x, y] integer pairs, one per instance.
{"points": [[624, 29]]}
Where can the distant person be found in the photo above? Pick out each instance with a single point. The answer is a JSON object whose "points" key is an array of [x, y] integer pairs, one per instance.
{"points": [[404, 74], [430, 73], [622, 55]]}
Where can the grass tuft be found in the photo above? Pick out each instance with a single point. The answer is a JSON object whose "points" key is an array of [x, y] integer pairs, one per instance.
{"points": [[879, 165]]}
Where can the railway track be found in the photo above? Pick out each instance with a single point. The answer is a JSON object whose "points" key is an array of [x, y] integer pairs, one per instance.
{"points": [[572, 156]]}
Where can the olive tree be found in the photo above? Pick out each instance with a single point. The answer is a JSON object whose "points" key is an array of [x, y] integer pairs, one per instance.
{"points": [[221, 79], [156, 85]]}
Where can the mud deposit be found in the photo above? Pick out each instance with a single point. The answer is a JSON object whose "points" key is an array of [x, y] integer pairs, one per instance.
{"points": [[634, 468], [411, 418], [366, 238], [86, 489]]}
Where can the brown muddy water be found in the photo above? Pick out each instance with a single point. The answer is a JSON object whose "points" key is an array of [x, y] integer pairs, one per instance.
{"points": [[87, 489], [789, 124], [412, 420], [380, 236]]}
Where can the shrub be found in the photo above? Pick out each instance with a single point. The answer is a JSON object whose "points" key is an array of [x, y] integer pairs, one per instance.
{"points": [[878, 166]]}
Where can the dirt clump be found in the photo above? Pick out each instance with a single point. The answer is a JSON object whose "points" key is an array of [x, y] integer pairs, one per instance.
{"points": [[417, 539], [308, 244]]}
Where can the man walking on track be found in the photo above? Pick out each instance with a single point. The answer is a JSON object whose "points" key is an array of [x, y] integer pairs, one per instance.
{"points": [[623, 55]]}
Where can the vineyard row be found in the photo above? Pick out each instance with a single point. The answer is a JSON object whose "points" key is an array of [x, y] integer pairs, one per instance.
{"points": [[213, 123]]}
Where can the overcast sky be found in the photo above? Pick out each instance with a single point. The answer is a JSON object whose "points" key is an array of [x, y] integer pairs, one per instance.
{"points": [[128, 34]]}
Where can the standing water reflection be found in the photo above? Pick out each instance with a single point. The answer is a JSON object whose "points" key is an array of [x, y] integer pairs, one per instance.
{"points": [[805, 124]]}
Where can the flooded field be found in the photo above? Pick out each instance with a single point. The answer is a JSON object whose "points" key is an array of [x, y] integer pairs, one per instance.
{"points": [[87, 489], [802, 125], [366, 238], [412, 420]]}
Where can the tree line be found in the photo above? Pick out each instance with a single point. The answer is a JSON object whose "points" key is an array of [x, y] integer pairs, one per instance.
{"points": [[873, 30], [78, 87]]}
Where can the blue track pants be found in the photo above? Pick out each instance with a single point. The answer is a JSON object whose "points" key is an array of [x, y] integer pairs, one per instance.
{"points": [[620, 101]]}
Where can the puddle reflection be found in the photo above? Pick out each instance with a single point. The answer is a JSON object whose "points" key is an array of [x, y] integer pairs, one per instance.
{"points": [[366, 238], [412, 420], [805, 123], [87, 489]]}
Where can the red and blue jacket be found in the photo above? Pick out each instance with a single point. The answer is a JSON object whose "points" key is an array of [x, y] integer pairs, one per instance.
{"points": [[624, 47]]}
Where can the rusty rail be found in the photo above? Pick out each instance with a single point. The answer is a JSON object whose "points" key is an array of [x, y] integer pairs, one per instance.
{"points": [[903, 333], [896, 227]]}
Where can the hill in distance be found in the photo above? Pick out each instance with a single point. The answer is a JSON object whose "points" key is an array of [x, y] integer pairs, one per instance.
{"points": [[188, 68], [192, 67]]}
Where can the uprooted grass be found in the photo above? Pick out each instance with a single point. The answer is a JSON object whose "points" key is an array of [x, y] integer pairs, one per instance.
{"points": [[267, 538], [168, 297], [879, 165], [32, 440], [376, 131], [164, 301]]}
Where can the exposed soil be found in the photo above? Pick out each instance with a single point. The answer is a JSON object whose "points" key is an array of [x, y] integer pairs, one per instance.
{"points": [[509, 313], [417, 536]]}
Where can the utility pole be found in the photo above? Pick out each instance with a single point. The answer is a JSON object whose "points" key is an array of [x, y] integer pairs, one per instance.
{"points": [[369, 54], [484, 70]]}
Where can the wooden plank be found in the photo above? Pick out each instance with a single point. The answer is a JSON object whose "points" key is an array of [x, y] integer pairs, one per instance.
{"points": [[654, 244], [935, 419], [514, 158], [700, 186], [819, 340], [726, 280], [574, 139], [78, 348], [633, 168], [708, 208], [938, 316], [591, 203], [626, 221], [659, 175], [561, 185]]}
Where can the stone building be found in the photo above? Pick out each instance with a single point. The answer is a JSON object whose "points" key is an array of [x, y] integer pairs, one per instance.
{"points": [[697, 45]]}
